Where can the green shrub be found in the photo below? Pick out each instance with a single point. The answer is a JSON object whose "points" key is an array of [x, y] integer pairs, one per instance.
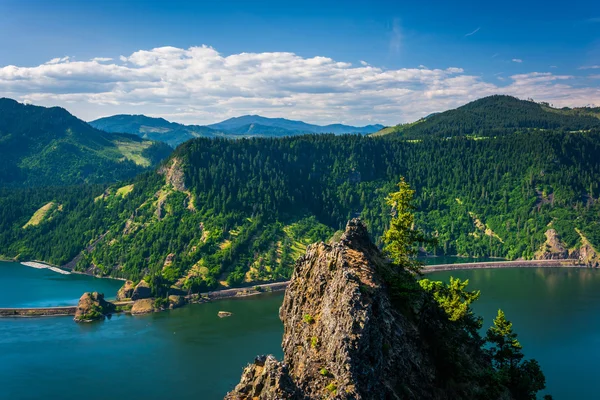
{"points": [[308, 319], [324, 372], [332, 388], [314, 342]]}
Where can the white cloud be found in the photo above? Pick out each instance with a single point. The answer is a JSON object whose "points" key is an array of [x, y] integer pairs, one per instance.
{"points": [[201, 85], [102, 59], [58, 60], [590, 67], [517, 60], [474, 32]]}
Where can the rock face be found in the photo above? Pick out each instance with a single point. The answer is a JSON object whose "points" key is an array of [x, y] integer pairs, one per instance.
{"points": [[126, 291], [92, 307], [553, 248], [345, 339], [176, 301], [141, 291], [143, 306]]}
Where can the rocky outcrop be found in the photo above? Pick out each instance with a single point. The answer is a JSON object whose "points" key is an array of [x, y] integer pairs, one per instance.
{"points": [[174, 174], [169, 260], [176, 301], [93, 307], [266, 378], [586, 254], [143, 306], [346, 337], [141, 291], [552, 248], [126, 291]]}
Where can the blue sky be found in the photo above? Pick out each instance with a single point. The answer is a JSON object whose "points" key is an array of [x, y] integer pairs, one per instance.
{"points": [[404, 59]]}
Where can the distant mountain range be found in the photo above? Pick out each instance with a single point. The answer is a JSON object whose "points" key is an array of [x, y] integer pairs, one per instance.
{"points": [[42, 146], [174, 133]]}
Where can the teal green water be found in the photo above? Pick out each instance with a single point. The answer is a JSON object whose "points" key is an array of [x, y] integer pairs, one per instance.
{"points": [[190, 353], [22, 286], [556, 313]]}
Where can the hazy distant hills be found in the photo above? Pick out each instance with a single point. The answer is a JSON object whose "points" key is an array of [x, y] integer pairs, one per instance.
{"points": [[498, 115], [174, 133], [42, 146], [256, 122], [153, 128]]}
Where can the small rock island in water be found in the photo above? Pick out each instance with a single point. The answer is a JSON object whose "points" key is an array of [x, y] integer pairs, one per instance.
{"points": [[93, 307]]}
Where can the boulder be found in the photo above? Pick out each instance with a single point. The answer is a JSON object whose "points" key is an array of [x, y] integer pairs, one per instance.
{"points": [[126, 291], [93, 307], [143, 306], [223, 314], [176, 301], [141, 291]]}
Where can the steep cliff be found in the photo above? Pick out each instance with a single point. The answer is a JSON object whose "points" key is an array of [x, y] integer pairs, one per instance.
{"points": [[346, 336]]}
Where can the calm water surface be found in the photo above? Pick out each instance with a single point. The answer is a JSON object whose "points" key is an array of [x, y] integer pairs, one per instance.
{"points": [[22, 286], [190, 353]]}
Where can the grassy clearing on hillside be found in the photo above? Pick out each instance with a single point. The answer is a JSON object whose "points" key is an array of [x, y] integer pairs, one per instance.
{"points": [[39, 215], [133, 151], [125, 190]]}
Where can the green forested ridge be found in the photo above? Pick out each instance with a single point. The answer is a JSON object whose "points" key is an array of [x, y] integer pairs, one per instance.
{"points": [[498, 115], [235, 211], [42, 146], [153, 128]]}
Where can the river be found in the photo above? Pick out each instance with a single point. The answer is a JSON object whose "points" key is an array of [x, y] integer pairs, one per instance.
{"points": [[190, 353]]}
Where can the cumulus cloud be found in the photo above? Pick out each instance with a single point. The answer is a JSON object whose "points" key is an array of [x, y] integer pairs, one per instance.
{"points": [[201, 85]]}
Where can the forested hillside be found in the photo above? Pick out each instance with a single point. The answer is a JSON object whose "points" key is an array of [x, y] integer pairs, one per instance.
{"points": [[498, 115], [42, 146], [234, 212]]}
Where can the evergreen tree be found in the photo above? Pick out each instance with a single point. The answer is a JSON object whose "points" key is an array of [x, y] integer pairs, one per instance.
{"points": [[401, 239], [523, 379]]}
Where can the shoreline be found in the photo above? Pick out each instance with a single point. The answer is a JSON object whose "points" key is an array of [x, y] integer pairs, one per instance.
{"points": [[39, 265], [565, 263], [281, 286], [61, 270]]}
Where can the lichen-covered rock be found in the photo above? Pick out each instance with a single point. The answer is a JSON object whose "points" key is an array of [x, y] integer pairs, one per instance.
{"points": [[92, 307], [141, 291], [345, 338], [143, 306], [126, 291], [266, 378]]}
